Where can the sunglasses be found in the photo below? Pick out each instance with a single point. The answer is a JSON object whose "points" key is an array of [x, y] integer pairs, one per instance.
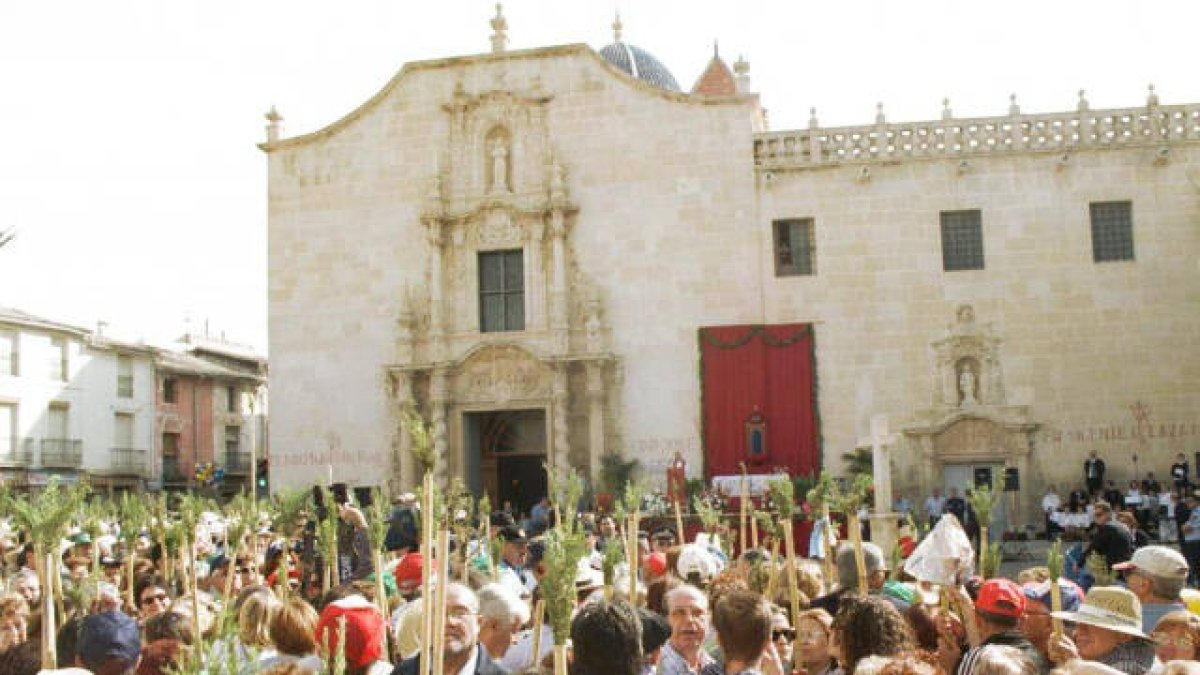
{"points": [[785, 633], [1181, 641]]}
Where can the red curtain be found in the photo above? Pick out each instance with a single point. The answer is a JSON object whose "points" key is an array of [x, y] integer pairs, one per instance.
{"points": [[768, 370]]}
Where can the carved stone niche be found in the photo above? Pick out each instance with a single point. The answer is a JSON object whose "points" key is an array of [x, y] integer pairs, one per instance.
{"points": [[967, 364]]}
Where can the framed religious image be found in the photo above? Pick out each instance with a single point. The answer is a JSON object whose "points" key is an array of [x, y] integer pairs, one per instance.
{"points": [[756, 439]]}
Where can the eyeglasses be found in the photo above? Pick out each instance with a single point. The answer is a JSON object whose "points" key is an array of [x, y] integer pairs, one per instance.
{"points": [[1165, 640], [157, 597], [785, 633]]}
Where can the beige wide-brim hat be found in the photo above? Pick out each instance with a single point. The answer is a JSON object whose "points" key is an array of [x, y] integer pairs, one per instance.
{"points": [[1109, 607]]}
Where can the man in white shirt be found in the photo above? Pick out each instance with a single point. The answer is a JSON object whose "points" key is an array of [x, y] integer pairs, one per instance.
{"points": [[1051, 503]]}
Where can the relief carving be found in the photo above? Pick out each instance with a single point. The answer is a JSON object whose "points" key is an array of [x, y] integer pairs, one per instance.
{"points": [[498, 229], [500, 374]]}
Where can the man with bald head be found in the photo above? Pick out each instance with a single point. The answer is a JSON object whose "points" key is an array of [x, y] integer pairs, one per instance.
{"points": [[463, 655], [687, 613]]}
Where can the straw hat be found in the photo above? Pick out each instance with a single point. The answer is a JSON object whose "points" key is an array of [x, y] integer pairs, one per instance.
{"points": [[1109, 607]]}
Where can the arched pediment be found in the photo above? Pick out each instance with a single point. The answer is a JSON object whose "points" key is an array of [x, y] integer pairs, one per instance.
{"points": [[500, 373]]}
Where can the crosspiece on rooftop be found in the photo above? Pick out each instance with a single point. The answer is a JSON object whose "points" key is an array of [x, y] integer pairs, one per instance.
{"points": [[1148, 126]]}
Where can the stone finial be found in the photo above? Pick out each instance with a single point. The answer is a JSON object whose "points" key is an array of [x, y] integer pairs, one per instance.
{"points": [[617, 27], [741, 70], [880, 118], [812, 118], [273, 126], [500, 28], [946, 112], [1013, 108], [1082, 105], [1151, 97]]}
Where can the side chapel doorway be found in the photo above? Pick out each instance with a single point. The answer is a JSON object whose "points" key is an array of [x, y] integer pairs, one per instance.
{"points": [[505, 453]]}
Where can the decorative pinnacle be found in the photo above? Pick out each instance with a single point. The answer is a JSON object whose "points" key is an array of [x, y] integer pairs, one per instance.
{"points": [[1013, 108], [617, 26], [273, 120], [812, 118], [879, 117], [741, 66], [1151, 97], [500, 26], [716, 49], [946, 112], [273, 116], [1083, 102]]}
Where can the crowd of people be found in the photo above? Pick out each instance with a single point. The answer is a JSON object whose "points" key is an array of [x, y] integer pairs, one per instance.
{"points": [[690, 608]]}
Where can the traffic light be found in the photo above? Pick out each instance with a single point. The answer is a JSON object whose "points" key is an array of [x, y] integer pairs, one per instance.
{"points": [[261, 477]]}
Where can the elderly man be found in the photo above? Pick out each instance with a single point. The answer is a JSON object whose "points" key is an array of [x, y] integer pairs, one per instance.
{"points": [[463, 655], [1156, 575], [513, 557], [1108, 630], [687, 612], [26, 584], [501, 615], [1035, 622], [997, 613]]}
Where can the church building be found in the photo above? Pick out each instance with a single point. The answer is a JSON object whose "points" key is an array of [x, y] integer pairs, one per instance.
{"points": [[554, 255]]}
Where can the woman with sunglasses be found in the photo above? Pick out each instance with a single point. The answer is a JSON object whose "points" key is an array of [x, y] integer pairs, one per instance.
{"points": [[813, 653], [1177, 636], [783, 635]]}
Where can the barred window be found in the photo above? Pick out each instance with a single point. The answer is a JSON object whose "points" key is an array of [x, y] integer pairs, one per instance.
{"points": [[962, 240], [795, 248], [501, 291], [1112, 231]]}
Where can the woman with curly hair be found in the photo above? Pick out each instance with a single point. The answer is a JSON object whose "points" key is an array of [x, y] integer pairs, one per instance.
{"points": [[868, 626]]}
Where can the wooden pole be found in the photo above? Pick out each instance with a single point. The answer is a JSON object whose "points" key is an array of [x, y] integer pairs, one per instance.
{"points": [[632, 544], [381, 600], [859, 561], [45, 560], [539, 610], [427, 546], [753, 532], [439, 635], [793, 589], [742, 497], [773, 570], [679, 523], [560, 659]]}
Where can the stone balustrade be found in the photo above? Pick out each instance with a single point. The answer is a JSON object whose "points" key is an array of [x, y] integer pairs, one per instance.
{"points": [[1150, 126]]}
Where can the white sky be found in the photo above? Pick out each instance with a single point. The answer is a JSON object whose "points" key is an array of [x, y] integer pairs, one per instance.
{"points": [[128, 127]]}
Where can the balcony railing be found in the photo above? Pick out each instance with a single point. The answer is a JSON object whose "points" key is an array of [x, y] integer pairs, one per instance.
{"points": [[62, 453], [16, 452], [237, 463], [128, 461]]}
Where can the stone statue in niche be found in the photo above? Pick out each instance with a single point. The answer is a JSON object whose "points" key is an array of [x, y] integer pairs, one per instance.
{"points": [[499, 153], [591, 326], [966, 387], [558, 184]]}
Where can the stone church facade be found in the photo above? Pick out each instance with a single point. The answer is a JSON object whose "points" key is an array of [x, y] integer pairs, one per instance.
{"points": [[522, 247]]}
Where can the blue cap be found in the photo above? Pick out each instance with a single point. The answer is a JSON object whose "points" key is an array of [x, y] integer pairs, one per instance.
{"points": [[108, 635], [1071, 593]]}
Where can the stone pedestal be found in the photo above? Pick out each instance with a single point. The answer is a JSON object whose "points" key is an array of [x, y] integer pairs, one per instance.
{"points": [[884, 532]]}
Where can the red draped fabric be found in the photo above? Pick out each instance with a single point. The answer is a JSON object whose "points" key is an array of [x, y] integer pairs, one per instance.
{"points": [[765, 370]]}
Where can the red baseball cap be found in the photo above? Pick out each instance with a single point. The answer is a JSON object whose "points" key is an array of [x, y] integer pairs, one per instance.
{"points": [[408, 572], [1001, 597], [656, 563]]}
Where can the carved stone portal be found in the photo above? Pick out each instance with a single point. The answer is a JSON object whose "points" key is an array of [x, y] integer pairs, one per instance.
{"points": [[500, 374]]}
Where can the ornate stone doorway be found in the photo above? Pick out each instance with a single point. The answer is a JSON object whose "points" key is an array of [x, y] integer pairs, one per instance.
{"points": [[505, 456]]}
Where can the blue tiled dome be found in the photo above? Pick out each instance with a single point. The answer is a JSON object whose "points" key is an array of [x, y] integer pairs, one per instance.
{"points": [[640, 64]]}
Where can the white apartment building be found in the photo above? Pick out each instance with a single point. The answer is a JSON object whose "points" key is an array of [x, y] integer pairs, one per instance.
{"points": [[73, 403]]}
